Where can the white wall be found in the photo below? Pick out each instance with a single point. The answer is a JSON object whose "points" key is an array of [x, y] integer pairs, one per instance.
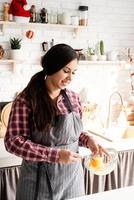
{"points": [[109, 20]]}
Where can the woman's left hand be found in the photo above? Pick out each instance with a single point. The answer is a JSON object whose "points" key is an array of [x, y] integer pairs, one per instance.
{"points": [[96, 148]]}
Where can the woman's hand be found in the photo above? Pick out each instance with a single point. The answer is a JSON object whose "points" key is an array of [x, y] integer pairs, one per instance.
{"points": [[96, 148], [66, 156]]}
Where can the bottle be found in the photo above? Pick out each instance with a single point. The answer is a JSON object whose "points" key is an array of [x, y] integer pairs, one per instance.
{"points": [[33, 13], [1, 52], [5, 11], [52, 43], [83, 20], [44, 16]]}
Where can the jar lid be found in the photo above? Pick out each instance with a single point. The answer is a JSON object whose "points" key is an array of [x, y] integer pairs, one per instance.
{"points": [[83, 8]]}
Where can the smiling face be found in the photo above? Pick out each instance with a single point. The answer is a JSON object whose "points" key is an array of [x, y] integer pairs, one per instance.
{"points": [[63, 77]]}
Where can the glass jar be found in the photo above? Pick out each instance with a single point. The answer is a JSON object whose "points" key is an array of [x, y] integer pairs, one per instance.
{"points": [[83, 20]]}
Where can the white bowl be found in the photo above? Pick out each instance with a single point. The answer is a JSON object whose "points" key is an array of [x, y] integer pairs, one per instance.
{"points": [[104, 164], [21, 19]]}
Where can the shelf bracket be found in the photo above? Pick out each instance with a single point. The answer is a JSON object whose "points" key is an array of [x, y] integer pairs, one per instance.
{"points": [[75, 32], [2, 29]]}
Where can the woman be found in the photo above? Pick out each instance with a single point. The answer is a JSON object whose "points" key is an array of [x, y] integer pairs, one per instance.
{"points": [[45, 129]]}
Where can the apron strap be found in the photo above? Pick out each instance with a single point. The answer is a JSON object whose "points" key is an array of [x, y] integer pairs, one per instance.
{"points": [[67, 100], [37, 181]]}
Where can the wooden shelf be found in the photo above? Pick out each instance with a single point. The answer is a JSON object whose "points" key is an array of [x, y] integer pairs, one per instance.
{"points": [[88, 62], [7, 61], [11, 62], [81, 62], [75, 29], [85, 63]]}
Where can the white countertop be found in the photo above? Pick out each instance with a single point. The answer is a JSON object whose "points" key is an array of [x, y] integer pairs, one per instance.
{"points": [[122, 193], [7, 159], [119, 145]]}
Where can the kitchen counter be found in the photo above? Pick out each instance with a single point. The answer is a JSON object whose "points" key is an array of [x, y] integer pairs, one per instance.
{"points": [[7, 159], [9, 173], [121, 193], [119, 145]]}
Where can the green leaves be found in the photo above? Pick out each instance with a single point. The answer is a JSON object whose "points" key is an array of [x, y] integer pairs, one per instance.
{"points": [[91, 51], [101, 47], [15, 43]]}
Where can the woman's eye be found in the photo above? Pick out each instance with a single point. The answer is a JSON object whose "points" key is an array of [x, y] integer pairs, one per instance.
{"points": [[66, 71]]}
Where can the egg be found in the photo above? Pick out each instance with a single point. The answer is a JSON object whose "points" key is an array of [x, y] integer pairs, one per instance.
{"points": [[96, 162]]}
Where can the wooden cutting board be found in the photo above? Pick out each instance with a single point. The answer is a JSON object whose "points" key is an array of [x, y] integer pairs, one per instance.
{"points": [[5, 114]]}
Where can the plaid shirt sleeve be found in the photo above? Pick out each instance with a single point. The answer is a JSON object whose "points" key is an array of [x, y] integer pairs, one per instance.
{"points": [[17, 136]]}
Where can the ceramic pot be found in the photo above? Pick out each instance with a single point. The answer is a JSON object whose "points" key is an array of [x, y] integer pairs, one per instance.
{"points": [[16, 54], [92, 57], [102, 57]]}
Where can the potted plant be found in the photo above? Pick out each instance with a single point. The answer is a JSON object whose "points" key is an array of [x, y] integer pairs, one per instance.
{"points": [[15, 44], [102, 55], [91, 54]]}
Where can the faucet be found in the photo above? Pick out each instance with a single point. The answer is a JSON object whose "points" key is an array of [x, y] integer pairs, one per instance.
{"points": [[109, 106], [102, 134]]}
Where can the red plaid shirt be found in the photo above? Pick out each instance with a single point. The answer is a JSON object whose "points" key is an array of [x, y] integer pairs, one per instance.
{"points": [[17, 136]]}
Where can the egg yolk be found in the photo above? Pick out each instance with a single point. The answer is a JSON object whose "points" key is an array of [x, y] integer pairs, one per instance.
{"points": [[96, 162]]}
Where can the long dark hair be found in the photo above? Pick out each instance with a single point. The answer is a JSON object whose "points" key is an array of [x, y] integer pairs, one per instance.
{"points": [[43, 107]]}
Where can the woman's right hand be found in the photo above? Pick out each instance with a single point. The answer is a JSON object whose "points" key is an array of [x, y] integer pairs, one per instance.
{"points": [[66, 156]]}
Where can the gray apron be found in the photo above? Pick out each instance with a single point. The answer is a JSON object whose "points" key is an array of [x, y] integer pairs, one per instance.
{"points": [[54, 181]]}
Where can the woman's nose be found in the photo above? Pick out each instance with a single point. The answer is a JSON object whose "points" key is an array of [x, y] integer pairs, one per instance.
{"points": [[70, 76]]}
